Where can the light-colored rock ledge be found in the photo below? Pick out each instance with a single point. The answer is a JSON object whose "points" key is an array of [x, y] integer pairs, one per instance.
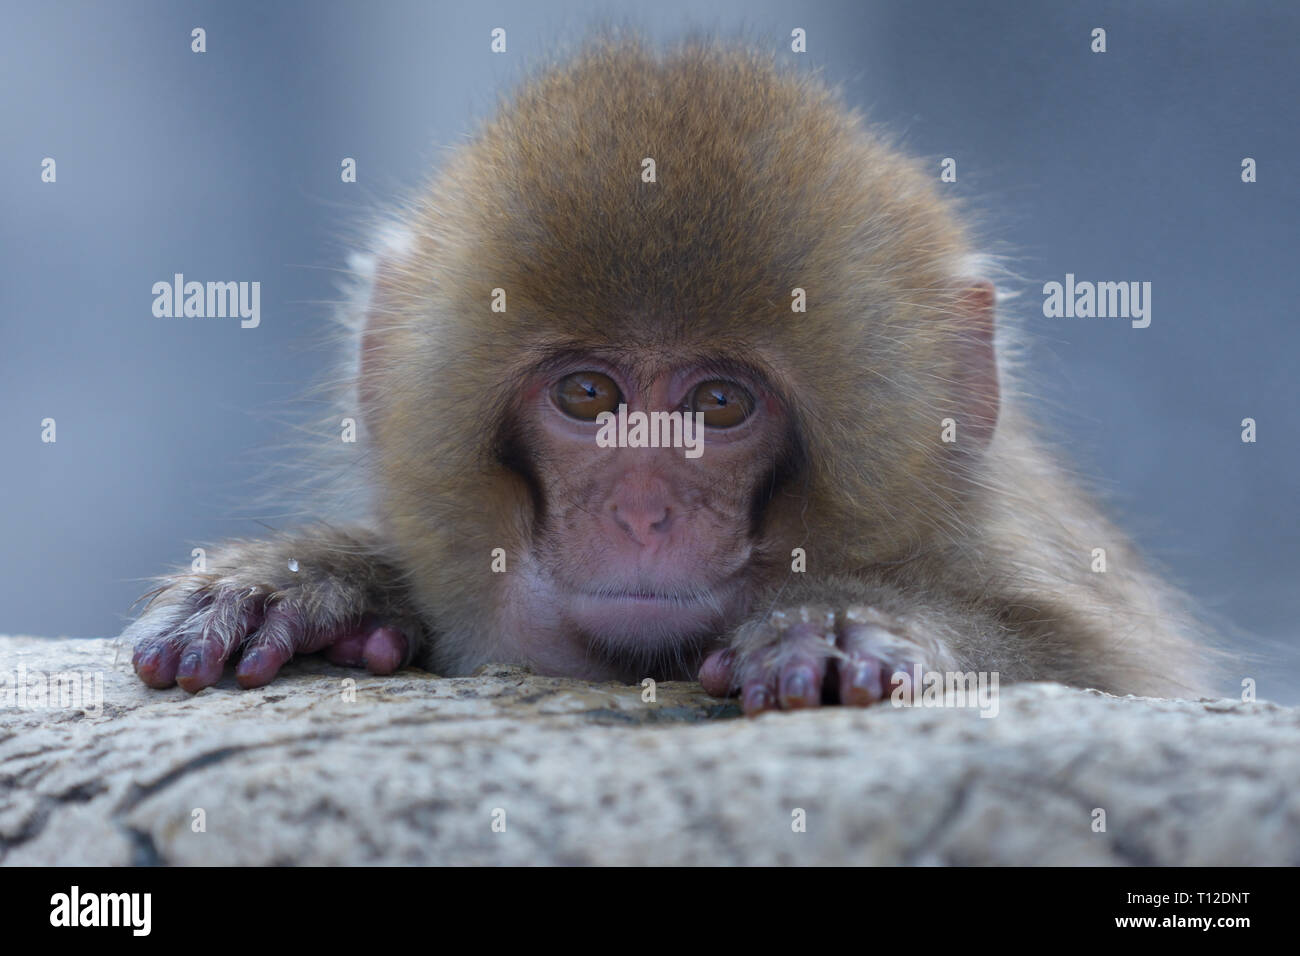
{"points": [[413, 770]]}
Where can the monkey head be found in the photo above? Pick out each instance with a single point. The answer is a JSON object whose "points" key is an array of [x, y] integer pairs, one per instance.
{"points": [[697, 232]]}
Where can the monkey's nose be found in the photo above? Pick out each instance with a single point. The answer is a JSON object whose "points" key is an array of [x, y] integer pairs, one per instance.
{"points": [[642, 524]]}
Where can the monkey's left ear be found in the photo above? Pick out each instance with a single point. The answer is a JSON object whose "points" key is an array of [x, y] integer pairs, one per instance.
{"points": [[978, 396]]}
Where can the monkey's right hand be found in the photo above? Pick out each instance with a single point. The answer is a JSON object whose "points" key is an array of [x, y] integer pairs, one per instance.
{"points": [[261, 602]]}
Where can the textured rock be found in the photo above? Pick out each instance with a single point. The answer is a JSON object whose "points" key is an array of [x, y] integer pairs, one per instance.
{"points": [[413, 769]]}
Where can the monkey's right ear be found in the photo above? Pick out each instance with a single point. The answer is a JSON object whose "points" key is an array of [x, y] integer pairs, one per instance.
{"points": [[381, 278], [978, 396]]}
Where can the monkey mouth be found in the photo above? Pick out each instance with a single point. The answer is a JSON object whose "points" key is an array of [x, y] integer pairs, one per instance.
{"points": [[648, 596], [648, 615]]}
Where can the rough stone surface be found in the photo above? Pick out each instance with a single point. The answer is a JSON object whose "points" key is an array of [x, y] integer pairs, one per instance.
{"points": [[413, 770]]}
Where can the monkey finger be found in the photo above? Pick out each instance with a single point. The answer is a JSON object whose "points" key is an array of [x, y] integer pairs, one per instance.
{"points": [[259, 665], [860, 681], [717, 673], [873, 656], [350, 649], [156, 662], [386, 650], [222, 627], [283, 633], [380, 648], [757, 696], [801, 683], [159, 638], [201, 664]]}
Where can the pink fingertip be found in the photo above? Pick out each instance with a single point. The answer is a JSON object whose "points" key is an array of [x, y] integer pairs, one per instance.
{"points": [[716, 673], [200, 666], [156, 664], [385, 650], [349, 651], [259, 665]]}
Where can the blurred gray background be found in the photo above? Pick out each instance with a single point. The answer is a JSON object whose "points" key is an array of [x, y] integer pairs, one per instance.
{"points": [[225, 166]]}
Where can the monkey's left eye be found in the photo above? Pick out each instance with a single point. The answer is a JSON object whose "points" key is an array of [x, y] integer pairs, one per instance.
{"points": [[724, 404], [585, 395]]}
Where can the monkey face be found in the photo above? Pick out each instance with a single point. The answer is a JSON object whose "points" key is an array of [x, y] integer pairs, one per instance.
{"points": [[649, 483]]}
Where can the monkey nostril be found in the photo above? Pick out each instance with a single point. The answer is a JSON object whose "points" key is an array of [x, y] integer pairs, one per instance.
{"points": [[642, 523]]}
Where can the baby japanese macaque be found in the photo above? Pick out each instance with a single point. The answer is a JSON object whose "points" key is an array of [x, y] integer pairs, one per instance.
{"points": [[678, 370]]}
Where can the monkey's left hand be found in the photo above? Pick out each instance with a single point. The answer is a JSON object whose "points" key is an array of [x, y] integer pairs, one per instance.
{"points": [[810, 654]]}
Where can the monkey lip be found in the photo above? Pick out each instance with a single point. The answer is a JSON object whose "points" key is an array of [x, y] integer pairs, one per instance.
{"points": [[645, 612]]}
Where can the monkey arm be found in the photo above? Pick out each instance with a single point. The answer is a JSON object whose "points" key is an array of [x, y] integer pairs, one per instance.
{"points": [[265, 600]]}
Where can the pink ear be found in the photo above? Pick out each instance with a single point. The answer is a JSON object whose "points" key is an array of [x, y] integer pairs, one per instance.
{"points": [[375, 332], [979, 397]]}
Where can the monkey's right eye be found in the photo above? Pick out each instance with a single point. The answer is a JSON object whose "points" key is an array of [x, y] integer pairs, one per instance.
{"points": [[584, 395]]}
